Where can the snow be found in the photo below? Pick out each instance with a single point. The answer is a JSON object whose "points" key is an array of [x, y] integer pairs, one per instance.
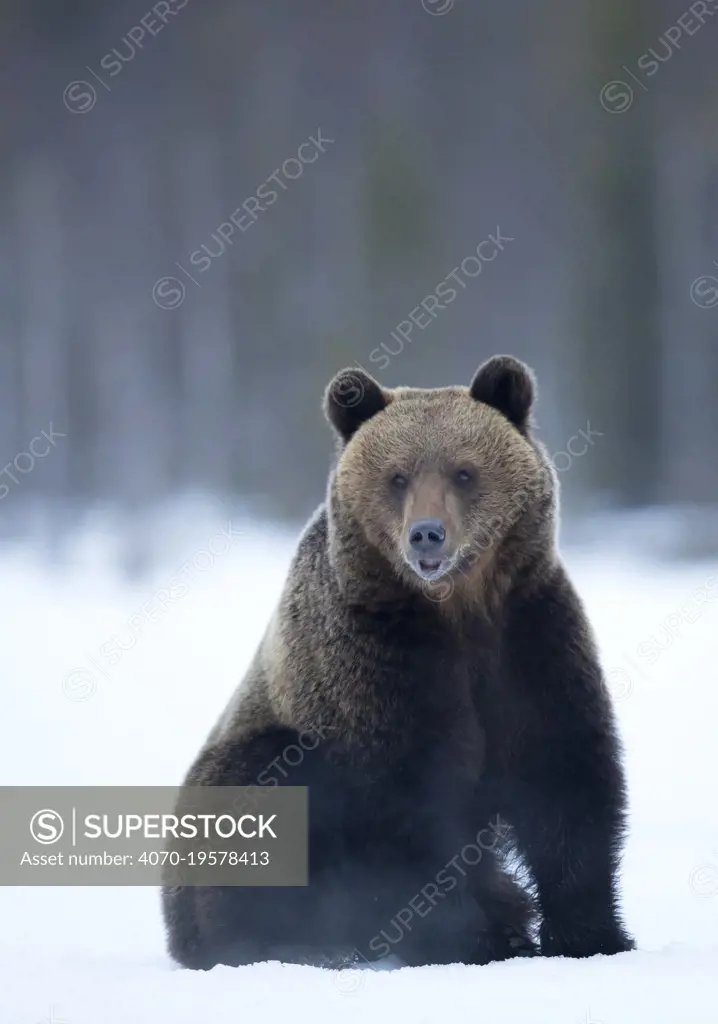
{"points": [[71, 716]]}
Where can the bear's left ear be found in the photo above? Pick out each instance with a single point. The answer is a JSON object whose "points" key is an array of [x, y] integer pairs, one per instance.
{"points": [[351, 398], [507, 385]]}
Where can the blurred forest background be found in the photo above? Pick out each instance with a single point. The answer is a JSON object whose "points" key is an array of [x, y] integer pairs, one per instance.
{"points": [[586, 132]]}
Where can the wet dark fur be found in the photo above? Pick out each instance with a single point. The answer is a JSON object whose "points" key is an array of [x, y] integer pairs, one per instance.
{"points": [[434, 716]]}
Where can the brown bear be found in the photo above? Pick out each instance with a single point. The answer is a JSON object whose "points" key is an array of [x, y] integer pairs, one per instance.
{"points": [[434, 664]]}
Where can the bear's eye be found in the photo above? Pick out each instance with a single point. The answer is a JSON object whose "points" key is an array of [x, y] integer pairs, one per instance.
{"points": [[399, 482], [463, 477]]}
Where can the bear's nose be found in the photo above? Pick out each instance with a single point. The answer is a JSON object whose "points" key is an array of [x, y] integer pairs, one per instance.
{"points": [[426, 536]]}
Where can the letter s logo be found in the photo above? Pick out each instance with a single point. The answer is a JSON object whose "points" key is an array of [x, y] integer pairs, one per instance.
{"points": [[46, 827]]}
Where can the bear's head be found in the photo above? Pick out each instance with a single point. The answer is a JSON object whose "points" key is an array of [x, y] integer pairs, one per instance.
{"points": [[439, 483]]}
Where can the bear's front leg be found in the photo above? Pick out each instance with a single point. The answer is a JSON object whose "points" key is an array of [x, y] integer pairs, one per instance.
{"points": [[562, 776], [572, 856]]}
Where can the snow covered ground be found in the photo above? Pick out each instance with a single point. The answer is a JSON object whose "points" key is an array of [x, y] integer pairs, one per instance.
{"points": [[78, 708]]}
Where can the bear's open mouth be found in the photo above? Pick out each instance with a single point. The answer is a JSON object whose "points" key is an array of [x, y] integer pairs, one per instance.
{"points": [[429, 566]]}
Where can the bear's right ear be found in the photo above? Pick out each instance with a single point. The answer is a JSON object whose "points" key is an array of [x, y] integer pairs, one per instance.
{"points": [[351, 398]]}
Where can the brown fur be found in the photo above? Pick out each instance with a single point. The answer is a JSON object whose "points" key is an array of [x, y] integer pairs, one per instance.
{"points": [[496, 528], [432, 711]]}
